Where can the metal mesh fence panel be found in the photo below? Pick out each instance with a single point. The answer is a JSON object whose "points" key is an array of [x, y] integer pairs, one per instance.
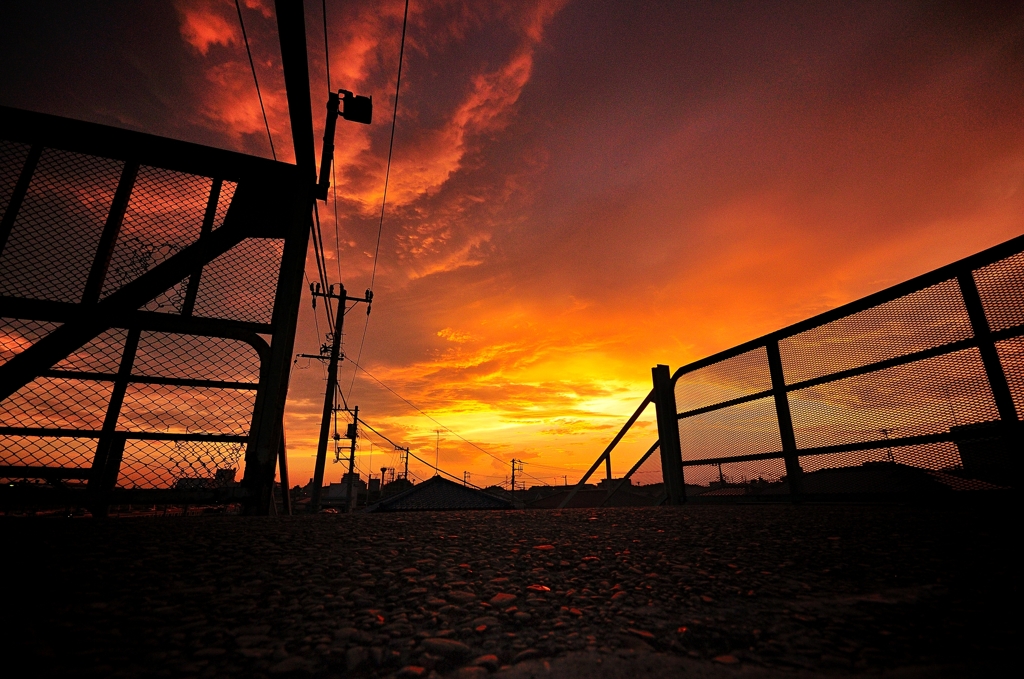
{"points": [[164, 354], [937, 456], [921, 320], [1001, 288], [700, 477], [39, 451], [892, 393], [164, 215], [190, 397], [886, 471], [650, 471], [735, 377], [227, 193], [12, 159], [192, 410], [100, 355], [52, 402], [1011, 356], [754, 471], [53, 242], [744, 429], [925, 397], [184, 465], [170, 301], [18, 334], [736, 479], [241, 283]]}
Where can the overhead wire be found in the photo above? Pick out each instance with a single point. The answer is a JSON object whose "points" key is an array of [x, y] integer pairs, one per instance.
{"points": [[391, 145], [415, 456], [327, 45], [316, 324], [318, 244], [334, 176], [421, 412], [319, 250], [252, 65], [384, 198]]}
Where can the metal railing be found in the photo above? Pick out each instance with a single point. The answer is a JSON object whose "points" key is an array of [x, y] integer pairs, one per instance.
{"points": [[914, 389], [140, 281]]}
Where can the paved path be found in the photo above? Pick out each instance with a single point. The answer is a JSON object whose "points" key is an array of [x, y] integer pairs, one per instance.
{"points": [[713, 591]]}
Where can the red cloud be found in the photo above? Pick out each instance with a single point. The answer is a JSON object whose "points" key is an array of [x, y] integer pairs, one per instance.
{"points": [[208, 22]]}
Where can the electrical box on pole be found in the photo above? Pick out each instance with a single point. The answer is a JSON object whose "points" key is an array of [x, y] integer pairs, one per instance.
{"points": [[353, 433]]}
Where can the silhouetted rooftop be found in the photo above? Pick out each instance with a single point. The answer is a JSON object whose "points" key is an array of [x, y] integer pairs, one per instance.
{"points": [[439, 494]]}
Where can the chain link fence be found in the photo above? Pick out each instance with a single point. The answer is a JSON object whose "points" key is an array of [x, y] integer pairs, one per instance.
{"points": [[164, 397]]}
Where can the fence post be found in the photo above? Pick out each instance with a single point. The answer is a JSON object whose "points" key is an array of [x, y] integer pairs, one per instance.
{"points": [[110, 446], [668, 435], [794, 474], [989, 356]]}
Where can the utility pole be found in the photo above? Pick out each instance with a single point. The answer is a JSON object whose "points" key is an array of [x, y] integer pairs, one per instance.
{"points": [[353, 433], [403, 458], [332, 380], [437, 448], [336, 437], [517, 465], [357, 109], [465, 478]]}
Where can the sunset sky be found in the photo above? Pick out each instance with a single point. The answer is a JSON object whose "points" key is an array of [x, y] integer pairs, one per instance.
{"points": [[579, 190]]}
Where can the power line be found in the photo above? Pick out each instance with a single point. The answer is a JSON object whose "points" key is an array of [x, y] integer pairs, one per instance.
{"points": [[318, 251], [334, 175], [417, 408], [316, 324], [387, 177], [252, 65], [545, 466], [337, 232], [413, 455], [441, 471], [391, 146], [327, 45]]}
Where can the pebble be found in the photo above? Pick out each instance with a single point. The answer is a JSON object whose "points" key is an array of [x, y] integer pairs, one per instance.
{"points": [[292, 665], [384, 595], [461, 597], [490, 662], [527, 654], [447, 648]]}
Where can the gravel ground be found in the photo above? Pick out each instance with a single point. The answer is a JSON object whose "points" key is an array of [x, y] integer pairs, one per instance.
{"points": [[708, 591]]}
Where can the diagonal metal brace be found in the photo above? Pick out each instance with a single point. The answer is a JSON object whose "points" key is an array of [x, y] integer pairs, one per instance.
{"points": [[608, 451], [93, 319]]}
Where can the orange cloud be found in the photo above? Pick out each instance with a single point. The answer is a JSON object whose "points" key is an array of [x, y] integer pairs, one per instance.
{"points": [[205, 23]]}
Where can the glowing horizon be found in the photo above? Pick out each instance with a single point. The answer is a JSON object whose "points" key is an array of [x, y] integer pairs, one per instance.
{"points": [[582, 191]]}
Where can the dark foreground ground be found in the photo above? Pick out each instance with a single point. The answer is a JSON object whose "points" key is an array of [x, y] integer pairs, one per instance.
{"points": [[706, 591]]}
